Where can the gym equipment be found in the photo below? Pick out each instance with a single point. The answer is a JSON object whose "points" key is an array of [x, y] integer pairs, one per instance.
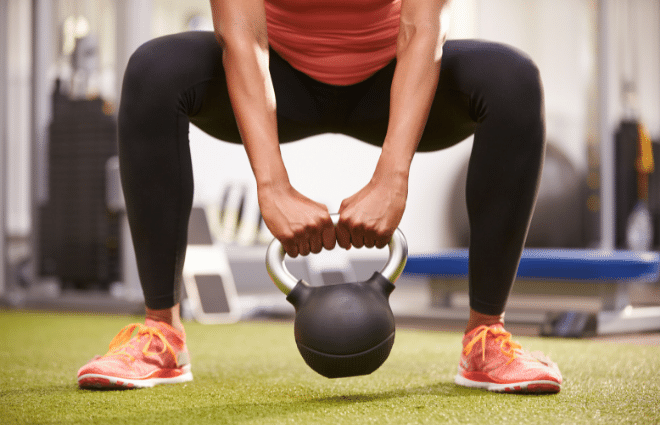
{"points": [[633, 149], [78, 237], [558, 217], [236, 220], [550, 272], [634, 167], [345, 329], [207, 278], [231, 211]]}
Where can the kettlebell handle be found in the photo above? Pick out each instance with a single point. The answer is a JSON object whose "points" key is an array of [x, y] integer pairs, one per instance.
{"points": [[285, 281]]}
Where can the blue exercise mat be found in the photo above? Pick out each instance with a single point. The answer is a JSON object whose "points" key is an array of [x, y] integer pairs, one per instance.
{"points": [[558, 264]]}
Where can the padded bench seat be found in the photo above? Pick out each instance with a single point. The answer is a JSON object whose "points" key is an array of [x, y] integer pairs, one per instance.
{"points": [[617, 268]]}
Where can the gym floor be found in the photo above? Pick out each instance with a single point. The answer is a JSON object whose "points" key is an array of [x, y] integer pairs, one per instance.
{"points": [[252, 373]]}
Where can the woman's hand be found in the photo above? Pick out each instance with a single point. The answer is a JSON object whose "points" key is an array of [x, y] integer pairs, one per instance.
{"points": [[370, 217], [300, 224]]}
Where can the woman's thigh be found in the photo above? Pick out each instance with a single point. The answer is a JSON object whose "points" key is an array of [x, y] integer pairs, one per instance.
{"points": [[300, 111], [476, 77]]}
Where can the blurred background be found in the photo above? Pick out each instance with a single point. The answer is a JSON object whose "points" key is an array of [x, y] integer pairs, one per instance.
{"points": [[61, 66]]}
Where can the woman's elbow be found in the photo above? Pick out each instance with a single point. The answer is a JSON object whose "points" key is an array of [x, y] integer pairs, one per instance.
{"points": [[242, 43], [427, 38]]}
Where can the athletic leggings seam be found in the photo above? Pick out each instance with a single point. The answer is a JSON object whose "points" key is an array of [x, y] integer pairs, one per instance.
{"points": [[183, 101]]}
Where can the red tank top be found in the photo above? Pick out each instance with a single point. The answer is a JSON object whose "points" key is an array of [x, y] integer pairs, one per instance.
{"points": [[338, 42]]}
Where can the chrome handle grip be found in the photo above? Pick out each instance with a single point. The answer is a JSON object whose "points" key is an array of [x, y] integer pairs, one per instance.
{"points": [[285, 281]]}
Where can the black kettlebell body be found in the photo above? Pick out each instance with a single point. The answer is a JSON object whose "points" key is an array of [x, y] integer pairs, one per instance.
{"points": [[344, 329]]}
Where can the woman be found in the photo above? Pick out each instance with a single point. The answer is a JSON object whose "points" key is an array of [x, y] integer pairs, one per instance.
{"points": [[275, 71]]}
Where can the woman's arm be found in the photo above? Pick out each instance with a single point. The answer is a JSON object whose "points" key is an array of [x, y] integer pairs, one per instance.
{"points": [[240, 28], [419, 51], [301, 224], [371, 216]]}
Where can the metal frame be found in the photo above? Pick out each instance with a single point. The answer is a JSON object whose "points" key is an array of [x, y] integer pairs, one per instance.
{"points": [[3, 144], [42, 58], [132, 29], [606, 120]]}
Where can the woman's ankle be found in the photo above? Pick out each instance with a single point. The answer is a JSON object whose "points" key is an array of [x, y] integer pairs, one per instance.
{"points": [[171, 316], [479, 319]]}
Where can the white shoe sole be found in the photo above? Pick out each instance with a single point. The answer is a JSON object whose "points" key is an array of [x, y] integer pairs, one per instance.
{"points": [[94, 380], [541, 386]]}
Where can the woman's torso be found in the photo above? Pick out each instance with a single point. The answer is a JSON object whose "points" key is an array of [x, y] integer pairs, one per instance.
{"points": [[338, 42]]}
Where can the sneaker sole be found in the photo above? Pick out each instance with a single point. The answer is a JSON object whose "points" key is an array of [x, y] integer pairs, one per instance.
{"points": [[524, 387], [98, 381]]}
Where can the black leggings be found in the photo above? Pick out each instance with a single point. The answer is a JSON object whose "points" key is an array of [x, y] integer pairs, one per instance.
{"points": [[485, 89]]}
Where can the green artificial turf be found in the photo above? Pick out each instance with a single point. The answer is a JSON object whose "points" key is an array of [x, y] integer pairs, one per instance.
{"points": [[251, 373]]}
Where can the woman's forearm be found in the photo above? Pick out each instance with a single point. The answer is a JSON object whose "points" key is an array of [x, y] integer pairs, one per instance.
{"points": [[253, 101], [419, 51], [241, 30]]}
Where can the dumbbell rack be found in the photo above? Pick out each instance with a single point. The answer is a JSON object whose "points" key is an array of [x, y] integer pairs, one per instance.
{"points": [[78, 235]]}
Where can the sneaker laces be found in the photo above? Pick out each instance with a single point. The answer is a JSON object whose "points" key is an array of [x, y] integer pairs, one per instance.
{"points": [[500, 335], [122, 341]]}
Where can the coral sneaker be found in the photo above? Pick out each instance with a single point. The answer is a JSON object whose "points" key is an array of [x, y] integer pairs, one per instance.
{"points": [[491, 361], [156, 355]]}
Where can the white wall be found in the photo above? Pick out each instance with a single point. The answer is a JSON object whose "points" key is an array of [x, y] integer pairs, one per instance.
{"points": [[171, 16], [642, 31], [559, 37]]}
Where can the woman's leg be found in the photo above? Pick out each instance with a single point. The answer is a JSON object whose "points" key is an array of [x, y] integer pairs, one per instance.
{"points": [[495, 93], [170, 82], [506, 100], [164, 83]]}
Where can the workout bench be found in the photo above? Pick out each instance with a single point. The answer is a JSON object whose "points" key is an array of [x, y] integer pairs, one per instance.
{"points": [[557, 288]]}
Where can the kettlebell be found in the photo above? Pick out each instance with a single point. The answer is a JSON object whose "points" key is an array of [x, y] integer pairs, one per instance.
{"points": [[344, 329]]}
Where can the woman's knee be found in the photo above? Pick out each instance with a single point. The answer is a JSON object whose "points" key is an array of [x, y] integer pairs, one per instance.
{"points": [[170, 63], [516, 82], [145, 68], [509, 105], [527, 84]]}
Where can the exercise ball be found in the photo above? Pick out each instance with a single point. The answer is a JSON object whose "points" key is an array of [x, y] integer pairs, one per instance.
{"points": [[558, 217]]}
